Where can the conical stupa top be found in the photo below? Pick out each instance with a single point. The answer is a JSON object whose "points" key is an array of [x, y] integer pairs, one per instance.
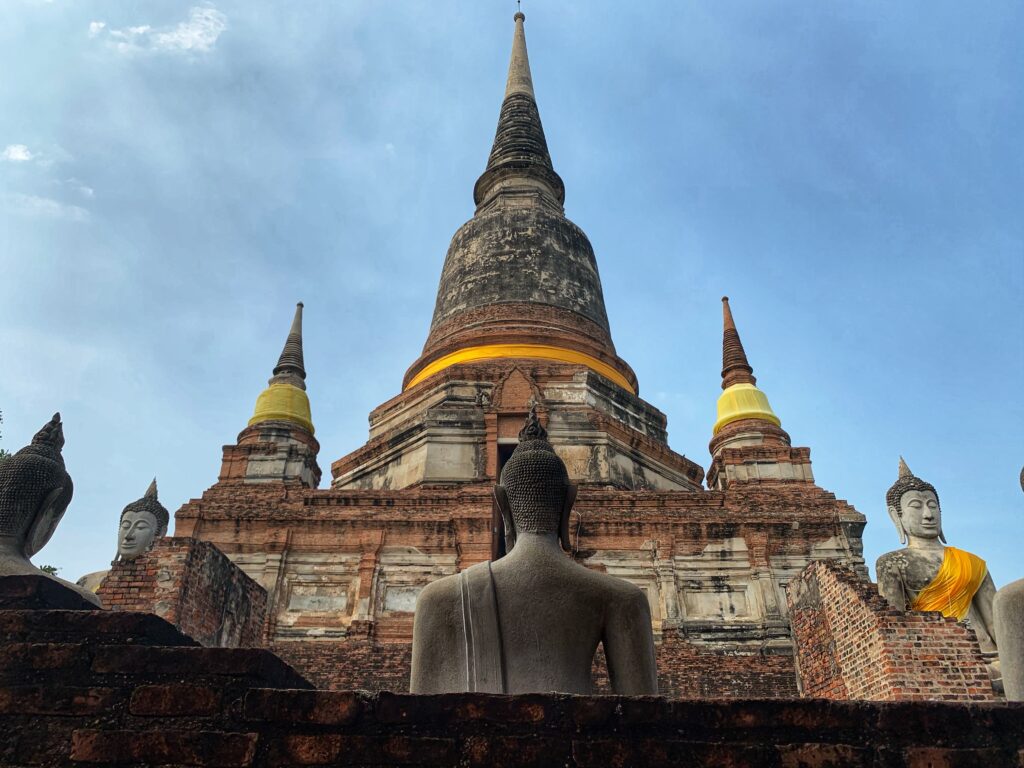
{"points": [[285, 397], [740, 400], [520, 151], [520, 281], [735, 368], [290, 366]]}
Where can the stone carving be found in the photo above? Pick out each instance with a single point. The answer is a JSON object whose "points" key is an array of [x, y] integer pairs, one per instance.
{"points": [[35, 491], [143, 523], [1008, 614], [928, 575], [532, 621]]}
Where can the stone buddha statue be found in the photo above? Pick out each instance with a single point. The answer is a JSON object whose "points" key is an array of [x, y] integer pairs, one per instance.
{"points": [[928, 575], [143, 523], [35, 491], [532, 620], [1008, 611]]}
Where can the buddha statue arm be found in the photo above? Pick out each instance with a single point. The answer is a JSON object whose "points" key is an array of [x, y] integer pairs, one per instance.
{"points": [[437, 650], [891, 585], [982, 604], [629, 646]]}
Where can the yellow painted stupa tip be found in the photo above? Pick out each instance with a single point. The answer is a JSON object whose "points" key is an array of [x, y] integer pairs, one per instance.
{"points": [[283, 402], [743, 401]]}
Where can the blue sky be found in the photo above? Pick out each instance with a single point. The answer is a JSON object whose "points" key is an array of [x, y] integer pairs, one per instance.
{"points": [[174, 176]]}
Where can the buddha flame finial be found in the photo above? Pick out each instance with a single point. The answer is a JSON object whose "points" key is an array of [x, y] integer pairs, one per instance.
{"points": [[532, 429], [904, 470]]}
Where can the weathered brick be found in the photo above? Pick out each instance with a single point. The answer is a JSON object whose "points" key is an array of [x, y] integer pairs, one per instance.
{"points": [[851, 645], [933, 757], [533, 751], [320, 707], [194, 586], [657, 753], [175, 701], [158, 747], [824, 756], [253, 663], [332, 749], [105, 627], [56, 700]]}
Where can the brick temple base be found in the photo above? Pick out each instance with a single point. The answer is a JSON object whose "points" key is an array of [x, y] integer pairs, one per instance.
{"points": [[195, 587], [84, 687], [850, 644]]}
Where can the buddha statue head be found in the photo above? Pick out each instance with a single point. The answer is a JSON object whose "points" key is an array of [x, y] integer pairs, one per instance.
{"points": [[35, 490], [535, 495], [142, 523], [913, 505]]}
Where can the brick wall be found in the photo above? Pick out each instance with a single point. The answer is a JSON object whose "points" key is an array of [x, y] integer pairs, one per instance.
{"points": [[85, 687], [684, 670], [851, 645], [195, 587]]}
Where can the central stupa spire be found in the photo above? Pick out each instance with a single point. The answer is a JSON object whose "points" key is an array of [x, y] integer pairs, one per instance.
{"points": [[519, 158], [519, 78], [520, 280]]}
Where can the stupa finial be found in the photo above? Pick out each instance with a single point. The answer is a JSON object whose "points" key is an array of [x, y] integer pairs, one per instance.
{"points": [[735, 368]]}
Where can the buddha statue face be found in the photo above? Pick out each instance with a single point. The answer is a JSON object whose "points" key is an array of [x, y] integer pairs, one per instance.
{"points": [[913, 506], [142, 523], [137, 533], [920, 514]]}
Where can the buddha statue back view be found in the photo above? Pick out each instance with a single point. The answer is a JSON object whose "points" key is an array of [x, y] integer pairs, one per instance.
{"points": [[532, 621], [35, 491]]}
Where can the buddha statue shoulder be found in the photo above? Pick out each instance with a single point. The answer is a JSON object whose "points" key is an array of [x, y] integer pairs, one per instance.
{"points": [[927, 574], [143, 523], [35, 491], [532, 620]]}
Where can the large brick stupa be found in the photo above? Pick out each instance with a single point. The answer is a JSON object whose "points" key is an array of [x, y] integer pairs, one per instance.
{"points": [[520, 321]]}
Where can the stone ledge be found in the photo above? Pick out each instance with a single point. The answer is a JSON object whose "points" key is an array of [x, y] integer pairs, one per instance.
{"points": [[39, 593]]}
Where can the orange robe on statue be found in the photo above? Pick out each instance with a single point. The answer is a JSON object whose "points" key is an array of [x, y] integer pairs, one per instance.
{"points": [[954, 586]]}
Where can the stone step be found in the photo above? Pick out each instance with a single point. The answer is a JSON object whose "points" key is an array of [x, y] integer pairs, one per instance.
{"points": [[39, 592], [121, 666], [97, 627]]}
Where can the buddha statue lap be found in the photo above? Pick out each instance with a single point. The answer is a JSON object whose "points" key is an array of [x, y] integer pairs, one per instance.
{"points": [[143, 523], [532, 620], [35, 491], [928, 575]]}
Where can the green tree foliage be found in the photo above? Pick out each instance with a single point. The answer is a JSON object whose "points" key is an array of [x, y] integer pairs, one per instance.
{"points": [[50, 569]]}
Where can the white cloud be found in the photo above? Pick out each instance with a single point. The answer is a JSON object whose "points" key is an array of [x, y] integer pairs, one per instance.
{"points": [[34, 206], [199, 33], [16, 153], [83, 189]]}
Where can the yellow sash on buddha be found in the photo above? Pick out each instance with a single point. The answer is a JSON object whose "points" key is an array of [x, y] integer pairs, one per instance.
{"points": [[953, 587]]}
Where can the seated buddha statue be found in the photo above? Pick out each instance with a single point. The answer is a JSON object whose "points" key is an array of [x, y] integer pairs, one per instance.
{"points": [[143, 523], [928, 575], [532, 620], [35, 491]]}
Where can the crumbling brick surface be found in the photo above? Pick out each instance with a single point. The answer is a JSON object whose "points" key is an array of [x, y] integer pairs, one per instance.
{"points": [[850, 644], [713, 565], [84, 702], [195, 587]]}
